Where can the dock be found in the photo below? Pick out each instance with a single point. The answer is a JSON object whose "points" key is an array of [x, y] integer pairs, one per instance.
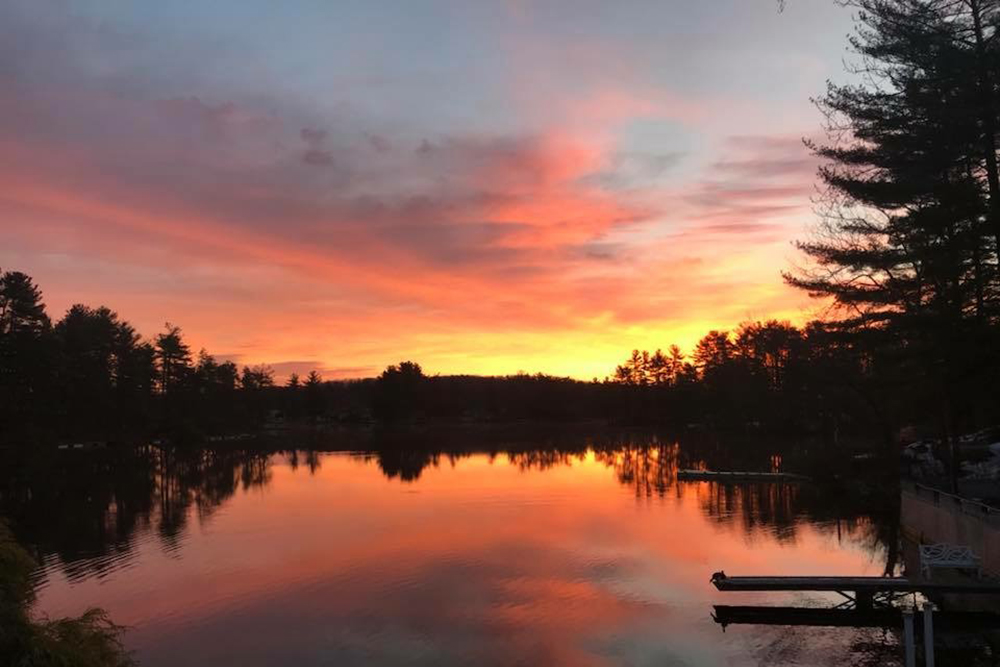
{"points": [[861, 591], [734, 476], [886, 617]]}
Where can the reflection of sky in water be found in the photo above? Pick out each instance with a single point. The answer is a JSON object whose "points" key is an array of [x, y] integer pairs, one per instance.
{"points": [[538, 560]]}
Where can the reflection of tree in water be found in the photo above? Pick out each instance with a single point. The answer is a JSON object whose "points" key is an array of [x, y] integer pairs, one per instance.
{"points": [[311, 460], [649, 469], [772, 506], [648, 464], [543, 459], [859, 511], [202, 480], [408, 464], [862, 514], [86, 508]]}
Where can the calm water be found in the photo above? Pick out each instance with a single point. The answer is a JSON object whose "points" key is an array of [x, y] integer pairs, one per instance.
{"points": [[403, 558]]}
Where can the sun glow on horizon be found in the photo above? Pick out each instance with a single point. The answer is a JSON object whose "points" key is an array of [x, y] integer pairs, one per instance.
{"points": [[287, 198]]}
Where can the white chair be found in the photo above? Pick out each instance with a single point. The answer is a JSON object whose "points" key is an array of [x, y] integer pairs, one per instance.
{"points": [[948, 556]]}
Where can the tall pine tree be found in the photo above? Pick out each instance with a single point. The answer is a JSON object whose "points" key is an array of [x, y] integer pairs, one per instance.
{"points": [[907, 248]]}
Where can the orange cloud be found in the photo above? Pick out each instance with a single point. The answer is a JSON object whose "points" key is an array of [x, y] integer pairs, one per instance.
{"points": [[275, 238]]}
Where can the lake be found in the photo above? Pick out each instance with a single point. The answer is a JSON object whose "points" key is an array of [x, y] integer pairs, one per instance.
{"points": [[581, 556]]}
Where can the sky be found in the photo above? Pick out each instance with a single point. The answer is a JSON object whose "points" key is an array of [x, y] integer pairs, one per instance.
{"points": [[481, 186]]}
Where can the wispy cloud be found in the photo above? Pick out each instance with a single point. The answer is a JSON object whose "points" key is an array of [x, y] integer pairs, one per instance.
{"points": [[289, 229]]}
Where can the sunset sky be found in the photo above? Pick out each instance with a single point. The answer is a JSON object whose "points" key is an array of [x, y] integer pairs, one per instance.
{"points": [[481, 186]]}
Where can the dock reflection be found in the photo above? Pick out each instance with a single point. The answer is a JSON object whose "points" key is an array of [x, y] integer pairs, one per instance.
{"points": [[884, 617]]}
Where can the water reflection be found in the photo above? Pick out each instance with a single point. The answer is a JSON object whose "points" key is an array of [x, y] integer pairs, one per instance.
{"points": [[85, 508], [406, 464], [575, 553]]}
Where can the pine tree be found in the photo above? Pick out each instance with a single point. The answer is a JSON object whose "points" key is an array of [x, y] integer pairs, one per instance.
{"points": [[21, 308], [174, 358], [24, 349], [906, 248]]}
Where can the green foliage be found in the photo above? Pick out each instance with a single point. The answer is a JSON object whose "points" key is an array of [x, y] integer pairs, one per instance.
{"points": [[90, 640], [16, 567]]}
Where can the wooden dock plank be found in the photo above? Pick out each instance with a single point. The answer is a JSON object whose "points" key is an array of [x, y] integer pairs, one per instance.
{"points": [[735, 476], [857, 584], [879, 617]]}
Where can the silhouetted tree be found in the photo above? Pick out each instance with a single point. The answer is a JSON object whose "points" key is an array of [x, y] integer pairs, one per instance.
{"points": [[713, 352], [174, 359], [175, 372], [905, 248], [135, 374], [216, 384], [314, 394], [258, 377], [636, 371], [658, 369], [676, 365], [21, 306], [24, 352], [105, 373], [256, 383], [398, 392]]}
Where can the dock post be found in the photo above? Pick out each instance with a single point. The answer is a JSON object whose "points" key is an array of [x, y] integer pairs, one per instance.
{"points": [[929, 634], [908, 642]]}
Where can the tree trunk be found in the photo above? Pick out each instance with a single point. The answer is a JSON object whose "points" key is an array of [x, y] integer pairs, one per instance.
{"points": [[988, 119]]}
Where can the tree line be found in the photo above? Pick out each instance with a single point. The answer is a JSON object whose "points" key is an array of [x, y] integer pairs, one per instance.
{"points": [[91, 375]]}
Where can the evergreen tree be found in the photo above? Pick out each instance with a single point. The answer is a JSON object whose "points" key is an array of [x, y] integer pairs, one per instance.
{"points": [[21, 308], [314, 394], [905, 248], [258, 377], [399, 391], [24, 350], [87, 366], [713, 352], [174, 359]]}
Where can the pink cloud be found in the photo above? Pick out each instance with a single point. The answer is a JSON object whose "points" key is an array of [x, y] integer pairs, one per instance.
{"points": [[234, 216]]}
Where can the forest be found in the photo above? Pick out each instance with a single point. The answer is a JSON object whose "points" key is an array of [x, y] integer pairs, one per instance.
{"points": [[90, 375]]}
